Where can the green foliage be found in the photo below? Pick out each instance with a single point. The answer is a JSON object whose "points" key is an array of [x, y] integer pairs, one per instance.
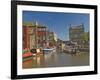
{"points": [[86, 36], [25, 51]]}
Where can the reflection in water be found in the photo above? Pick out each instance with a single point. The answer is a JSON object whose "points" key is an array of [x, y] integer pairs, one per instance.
{"points": [[57, 60]]}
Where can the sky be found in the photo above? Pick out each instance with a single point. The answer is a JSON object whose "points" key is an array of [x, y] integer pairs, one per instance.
{"points": [[57, 22]]}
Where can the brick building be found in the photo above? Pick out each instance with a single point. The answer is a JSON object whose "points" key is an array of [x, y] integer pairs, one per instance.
{"points": [[34, 35], [41, 35], [28, 36]]}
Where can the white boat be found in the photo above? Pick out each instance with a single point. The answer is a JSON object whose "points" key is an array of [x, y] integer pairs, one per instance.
{"points": [[49, 50]]}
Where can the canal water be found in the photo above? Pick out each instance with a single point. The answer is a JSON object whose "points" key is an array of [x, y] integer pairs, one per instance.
{"points": [[57, 59]]}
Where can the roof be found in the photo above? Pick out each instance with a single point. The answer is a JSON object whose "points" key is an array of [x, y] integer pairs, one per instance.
{"points": [[33, 24], [77, 26], [28, 23]]}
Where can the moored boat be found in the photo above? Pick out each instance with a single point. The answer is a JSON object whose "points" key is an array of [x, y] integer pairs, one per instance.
{"points": [[49, 50]]}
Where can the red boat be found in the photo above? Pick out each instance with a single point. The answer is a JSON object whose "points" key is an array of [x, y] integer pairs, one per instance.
{"points": [[28, 54]]}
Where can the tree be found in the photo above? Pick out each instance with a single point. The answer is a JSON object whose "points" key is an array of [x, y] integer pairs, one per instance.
{"points": [[86, 37]]}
